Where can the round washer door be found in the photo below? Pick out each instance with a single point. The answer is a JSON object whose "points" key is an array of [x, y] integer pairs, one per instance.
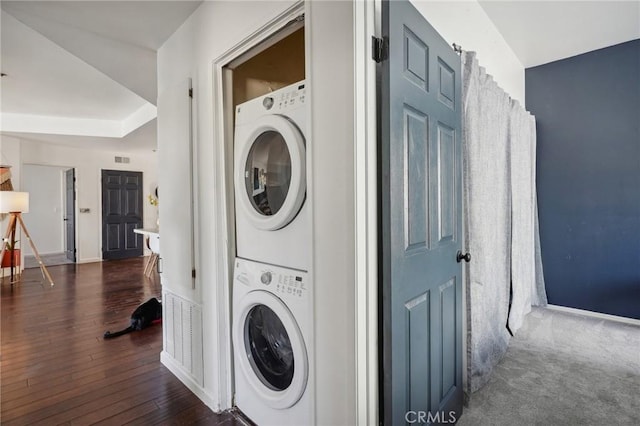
{"points": [[270, 177], [270, 349]]}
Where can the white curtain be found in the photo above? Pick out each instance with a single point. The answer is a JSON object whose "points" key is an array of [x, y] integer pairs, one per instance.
{"points": [[500, 219]]}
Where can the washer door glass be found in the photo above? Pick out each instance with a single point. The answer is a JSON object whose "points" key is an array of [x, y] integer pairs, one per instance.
{"points": [[269, 348], [268, 173]]}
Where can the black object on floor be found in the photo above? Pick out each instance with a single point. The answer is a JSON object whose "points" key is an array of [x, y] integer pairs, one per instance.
{"points": [[141, 318]]}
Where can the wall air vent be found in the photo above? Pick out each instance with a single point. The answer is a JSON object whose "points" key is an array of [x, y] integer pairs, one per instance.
{"points": [[124, 160], [182, 327]]}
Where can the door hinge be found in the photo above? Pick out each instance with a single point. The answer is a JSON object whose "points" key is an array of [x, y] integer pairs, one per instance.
{"points": [[191, 93], [379, 49], [193, 273]]}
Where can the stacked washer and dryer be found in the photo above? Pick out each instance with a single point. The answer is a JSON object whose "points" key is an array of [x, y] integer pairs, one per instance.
{"points": [[272, 293]]}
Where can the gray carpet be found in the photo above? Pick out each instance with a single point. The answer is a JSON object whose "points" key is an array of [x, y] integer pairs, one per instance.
{"points": [[563, 369], [48, 260]]}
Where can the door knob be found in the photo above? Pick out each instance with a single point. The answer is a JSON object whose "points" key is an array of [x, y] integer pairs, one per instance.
{"points": [[460, 257]]}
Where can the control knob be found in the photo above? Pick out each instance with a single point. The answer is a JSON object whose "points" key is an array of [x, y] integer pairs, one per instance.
{"points": [[265, 278]]}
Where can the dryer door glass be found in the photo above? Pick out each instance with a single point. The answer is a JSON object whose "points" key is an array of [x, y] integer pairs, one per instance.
{"points": [[268, 173], [269, 348]]}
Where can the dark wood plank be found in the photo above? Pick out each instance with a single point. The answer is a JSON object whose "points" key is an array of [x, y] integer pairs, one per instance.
{"points": [[57, 369]]}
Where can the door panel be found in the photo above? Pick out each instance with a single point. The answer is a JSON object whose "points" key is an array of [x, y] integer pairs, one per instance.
{"points": [[131, 238], [175, 153], [416, 180], [418, 318], [421, 221], [113, 179], [70, 214], [132, 206], [113, 201], [121, 214], [447, 365], [446, 169], [113, 236]]}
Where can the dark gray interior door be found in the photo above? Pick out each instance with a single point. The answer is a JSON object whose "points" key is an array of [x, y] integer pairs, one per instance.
{"points": [[421, 222], [121, 214], [70, 214]]}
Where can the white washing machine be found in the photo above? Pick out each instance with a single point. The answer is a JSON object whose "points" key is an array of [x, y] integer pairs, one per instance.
{"points": [[270, 179], [272, 333]]}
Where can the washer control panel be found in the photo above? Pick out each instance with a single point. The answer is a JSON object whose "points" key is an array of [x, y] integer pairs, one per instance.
{"points": [[282, 281], [290, 284]]}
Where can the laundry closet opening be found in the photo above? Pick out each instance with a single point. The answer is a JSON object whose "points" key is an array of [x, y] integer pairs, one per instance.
{"points": [[266, 119]]}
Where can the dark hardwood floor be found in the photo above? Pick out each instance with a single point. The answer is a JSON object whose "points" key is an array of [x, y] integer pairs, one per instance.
{"points": [[57, 369]]}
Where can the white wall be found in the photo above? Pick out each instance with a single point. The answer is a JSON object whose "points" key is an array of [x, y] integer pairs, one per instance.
{"points": [[88, 164], [466, 23], [213, 29], [331, 190], [46, 208]]}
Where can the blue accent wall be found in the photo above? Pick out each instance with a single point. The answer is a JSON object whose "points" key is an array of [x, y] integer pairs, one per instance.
{"points": [[587, 110]]}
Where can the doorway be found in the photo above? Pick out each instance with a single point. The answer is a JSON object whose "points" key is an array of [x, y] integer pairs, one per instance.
{"points": [[269, 59], [121, 214], [70, 214], [47, 190]]}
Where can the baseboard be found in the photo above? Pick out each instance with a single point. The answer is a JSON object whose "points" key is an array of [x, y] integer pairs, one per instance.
{"points": [[175, 368], [41, 253], [7, 270], [90, 260], [592, 314]]}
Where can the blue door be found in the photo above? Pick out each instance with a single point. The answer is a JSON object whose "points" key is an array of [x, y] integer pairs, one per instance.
{"points": [[421, 222]]}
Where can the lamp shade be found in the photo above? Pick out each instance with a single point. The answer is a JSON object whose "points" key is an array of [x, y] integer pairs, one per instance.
{"points": [[13, 201]]}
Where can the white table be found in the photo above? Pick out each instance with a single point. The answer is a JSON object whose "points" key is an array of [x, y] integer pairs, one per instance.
{"points": [[152, 237]]}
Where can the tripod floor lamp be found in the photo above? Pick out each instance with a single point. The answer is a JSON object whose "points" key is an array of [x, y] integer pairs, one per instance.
{"points": [[15, 203]]}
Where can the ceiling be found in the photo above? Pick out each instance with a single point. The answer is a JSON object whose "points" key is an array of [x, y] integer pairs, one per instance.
{"points": [[83, 73], [539, 32], [139, 140], [37, 82]]}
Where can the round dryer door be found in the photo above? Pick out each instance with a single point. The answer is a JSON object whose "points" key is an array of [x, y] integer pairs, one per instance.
{"points": [[272, 354], [271, 173]]}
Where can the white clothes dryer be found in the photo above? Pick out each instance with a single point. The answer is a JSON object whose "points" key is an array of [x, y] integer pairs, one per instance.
{"points": [[272, 333], [270, 178]]}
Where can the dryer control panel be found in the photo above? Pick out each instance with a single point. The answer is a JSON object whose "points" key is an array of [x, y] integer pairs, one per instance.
{"points": [[287, 98], [277, 102]]}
